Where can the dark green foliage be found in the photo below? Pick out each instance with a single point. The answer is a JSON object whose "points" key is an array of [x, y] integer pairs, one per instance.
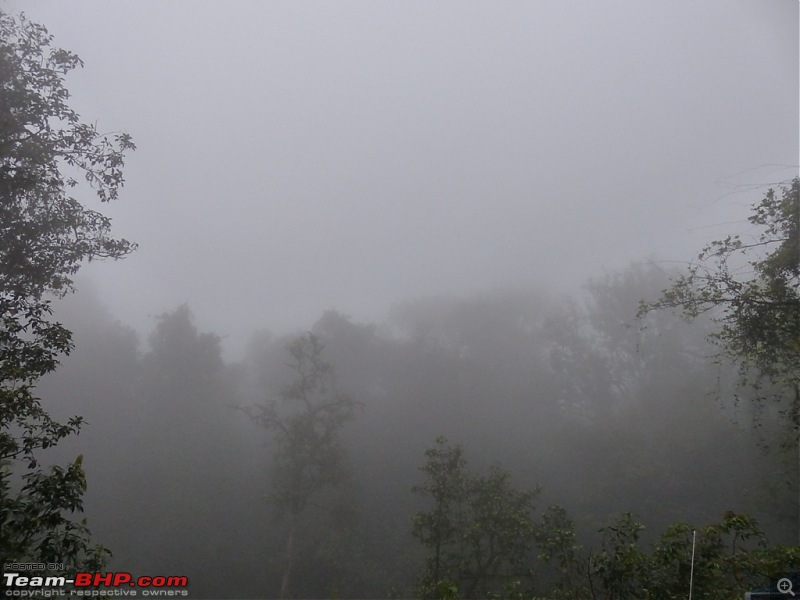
{"points": [[731, 557], [45, 234], [557, 546], [34, 526], [752, 289], [479, 532]]}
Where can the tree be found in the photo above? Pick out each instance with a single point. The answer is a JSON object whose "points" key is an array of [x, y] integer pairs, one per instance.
{"points": [[731, 556], [45, 235], [751, 287], [719, 561], [557, 544], [640, 416], [480, 530], [306, 422], [183, 474]]}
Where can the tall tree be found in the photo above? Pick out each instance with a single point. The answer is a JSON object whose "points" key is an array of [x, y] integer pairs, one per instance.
{"points": [[305, 421], [751, 287], [45, 235]]}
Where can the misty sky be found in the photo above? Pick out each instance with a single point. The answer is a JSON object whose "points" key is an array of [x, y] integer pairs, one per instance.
{"points": [[300, 156]]}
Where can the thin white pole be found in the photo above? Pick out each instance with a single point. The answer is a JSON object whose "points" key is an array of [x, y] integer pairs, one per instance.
{"points": [[691, 571]]}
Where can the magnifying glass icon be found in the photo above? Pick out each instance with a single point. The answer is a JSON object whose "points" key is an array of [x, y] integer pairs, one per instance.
{"points": [[785, 586]]}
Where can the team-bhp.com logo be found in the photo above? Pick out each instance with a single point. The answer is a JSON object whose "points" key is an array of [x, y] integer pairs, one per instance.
{"points": [[94, 584]]}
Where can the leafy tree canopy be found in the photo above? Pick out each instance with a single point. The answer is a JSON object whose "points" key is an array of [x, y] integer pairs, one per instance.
{"points": [[751, 286], [480, 530], [45, 234]]}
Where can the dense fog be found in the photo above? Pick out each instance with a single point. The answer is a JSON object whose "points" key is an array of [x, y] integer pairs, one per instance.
{"points": [[605, 412], [295, 158], [462, 207]]}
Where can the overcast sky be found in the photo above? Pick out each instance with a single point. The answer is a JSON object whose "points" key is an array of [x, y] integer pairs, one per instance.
{"points": [[300, 156]]}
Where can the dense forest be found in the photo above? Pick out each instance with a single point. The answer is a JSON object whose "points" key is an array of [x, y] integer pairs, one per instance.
{"points": [[600, 412]]}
